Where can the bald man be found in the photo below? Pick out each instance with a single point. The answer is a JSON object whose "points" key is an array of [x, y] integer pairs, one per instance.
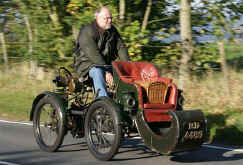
{"points": [[99, 43]]}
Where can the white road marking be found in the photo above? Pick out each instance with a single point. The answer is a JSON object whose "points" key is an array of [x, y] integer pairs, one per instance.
{"points": [[7, 163], [137, 137], [209, 146], [15, 122], [222, 148]]}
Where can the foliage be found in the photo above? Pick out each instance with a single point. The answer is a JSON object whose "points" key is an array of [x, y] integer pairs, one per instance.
{"points": [[55, 24], [205, 57], [134, 38], [49, 36], [221, 14]]}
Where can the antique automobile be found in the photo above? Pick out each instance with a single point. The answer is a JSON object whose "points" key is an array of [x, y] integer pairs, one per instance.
{"points": [[140, 101]]}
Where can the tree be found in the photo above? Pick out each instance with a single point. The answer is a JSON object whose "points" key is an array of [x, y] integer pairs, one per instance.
{"points": [[122, 11], [46, 27], [3, 22], [45, 30], [22, 9], [4, 49], [186, 39], [221, 15], [146, 15]]}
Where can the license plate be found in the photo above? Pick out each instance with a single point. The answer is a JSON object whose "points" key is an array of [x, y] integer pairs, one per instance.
{"points": [[193, 131]]}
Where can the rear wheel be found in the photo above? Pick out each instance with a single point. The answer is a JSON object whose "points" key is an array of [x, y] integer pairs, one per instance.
{"points": [[102, 130], [48, 124]]}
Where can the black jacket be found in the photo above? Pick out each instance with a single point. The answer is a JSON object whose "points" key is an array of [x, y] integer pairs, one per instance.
{"points": [[94, 47]]}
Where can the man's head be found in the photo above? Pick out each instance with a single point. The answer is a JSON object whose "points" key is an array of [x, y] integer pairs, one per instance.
{"points": [[103, 18]]}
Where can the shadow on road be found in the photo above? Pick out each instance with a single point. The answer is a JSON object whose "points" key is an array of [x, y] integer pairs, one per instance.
{"points": [[206, 155], [73, 147], [137, 148], [29, 157], [16, 152], [134, 149]]}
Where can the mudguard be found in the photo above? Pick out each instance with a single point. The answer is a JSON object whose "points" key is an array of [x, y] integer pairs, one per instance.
{"points": [[186, 131], [58, 98]]}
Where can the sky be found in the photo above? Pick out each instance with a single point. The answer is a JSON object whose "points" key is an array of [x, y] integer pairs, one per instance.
{"points": [[240, 22]]}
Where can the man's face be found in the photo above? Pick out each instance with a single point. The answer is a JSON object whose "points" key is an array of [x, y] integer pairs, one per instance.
{"points": [[104, 19]]}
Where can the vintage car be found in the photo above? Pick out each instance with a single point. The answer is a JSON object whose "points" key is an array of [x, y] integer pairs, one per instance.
{"points": [[140, 101]]}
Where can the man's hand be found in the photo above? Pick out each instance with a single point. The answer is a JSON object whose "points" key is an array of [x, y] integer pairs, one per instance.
{"points": [[109, 78]]}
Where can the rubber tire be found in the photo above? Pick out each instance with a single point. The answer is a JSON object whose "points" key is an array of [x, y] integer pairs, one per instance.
{"points": [[114, 149], [62, 129], [180, 101]]}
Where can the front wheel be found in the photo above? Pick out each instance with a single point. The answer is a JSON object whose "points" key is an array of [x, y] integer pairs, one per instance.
{"points": [[48, 124], [102, 130]]}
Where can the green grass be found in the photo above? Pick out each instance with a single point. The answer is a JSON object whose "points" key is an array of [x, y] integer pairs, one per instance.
{"points": [[15, 105], [234, 55], [226, 127], [224, 113], [234, 51], [18, 91]]}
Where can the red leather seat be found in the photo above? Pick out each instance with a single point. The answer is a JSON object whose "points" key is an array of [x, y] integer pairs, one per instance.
{"points": [[142, 74], [126, 71]]}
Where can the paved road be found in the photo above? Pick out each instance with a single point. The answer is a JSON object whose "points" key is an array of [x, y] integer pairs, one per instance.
{"points": [[18, 147]]}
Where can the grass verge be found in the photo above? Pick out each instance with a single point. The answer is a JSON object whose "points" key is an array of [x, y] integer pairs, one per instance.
{"points": [[224, 112], [17, 92]]}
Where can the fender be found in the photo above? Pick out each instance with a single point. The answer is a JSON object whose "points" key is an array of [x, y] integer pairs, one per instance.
{"points": [[59, 99], [187, 131]]}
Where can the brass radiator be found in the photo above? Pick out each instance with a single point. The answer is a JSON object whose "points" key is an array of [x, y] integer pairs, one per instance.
{"points": [[156, 92]]}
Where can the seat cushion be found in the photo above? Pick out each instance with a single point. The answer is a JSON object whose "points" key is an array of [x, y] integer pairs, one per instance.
{"points": [[156, 115], [158, 106]]}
